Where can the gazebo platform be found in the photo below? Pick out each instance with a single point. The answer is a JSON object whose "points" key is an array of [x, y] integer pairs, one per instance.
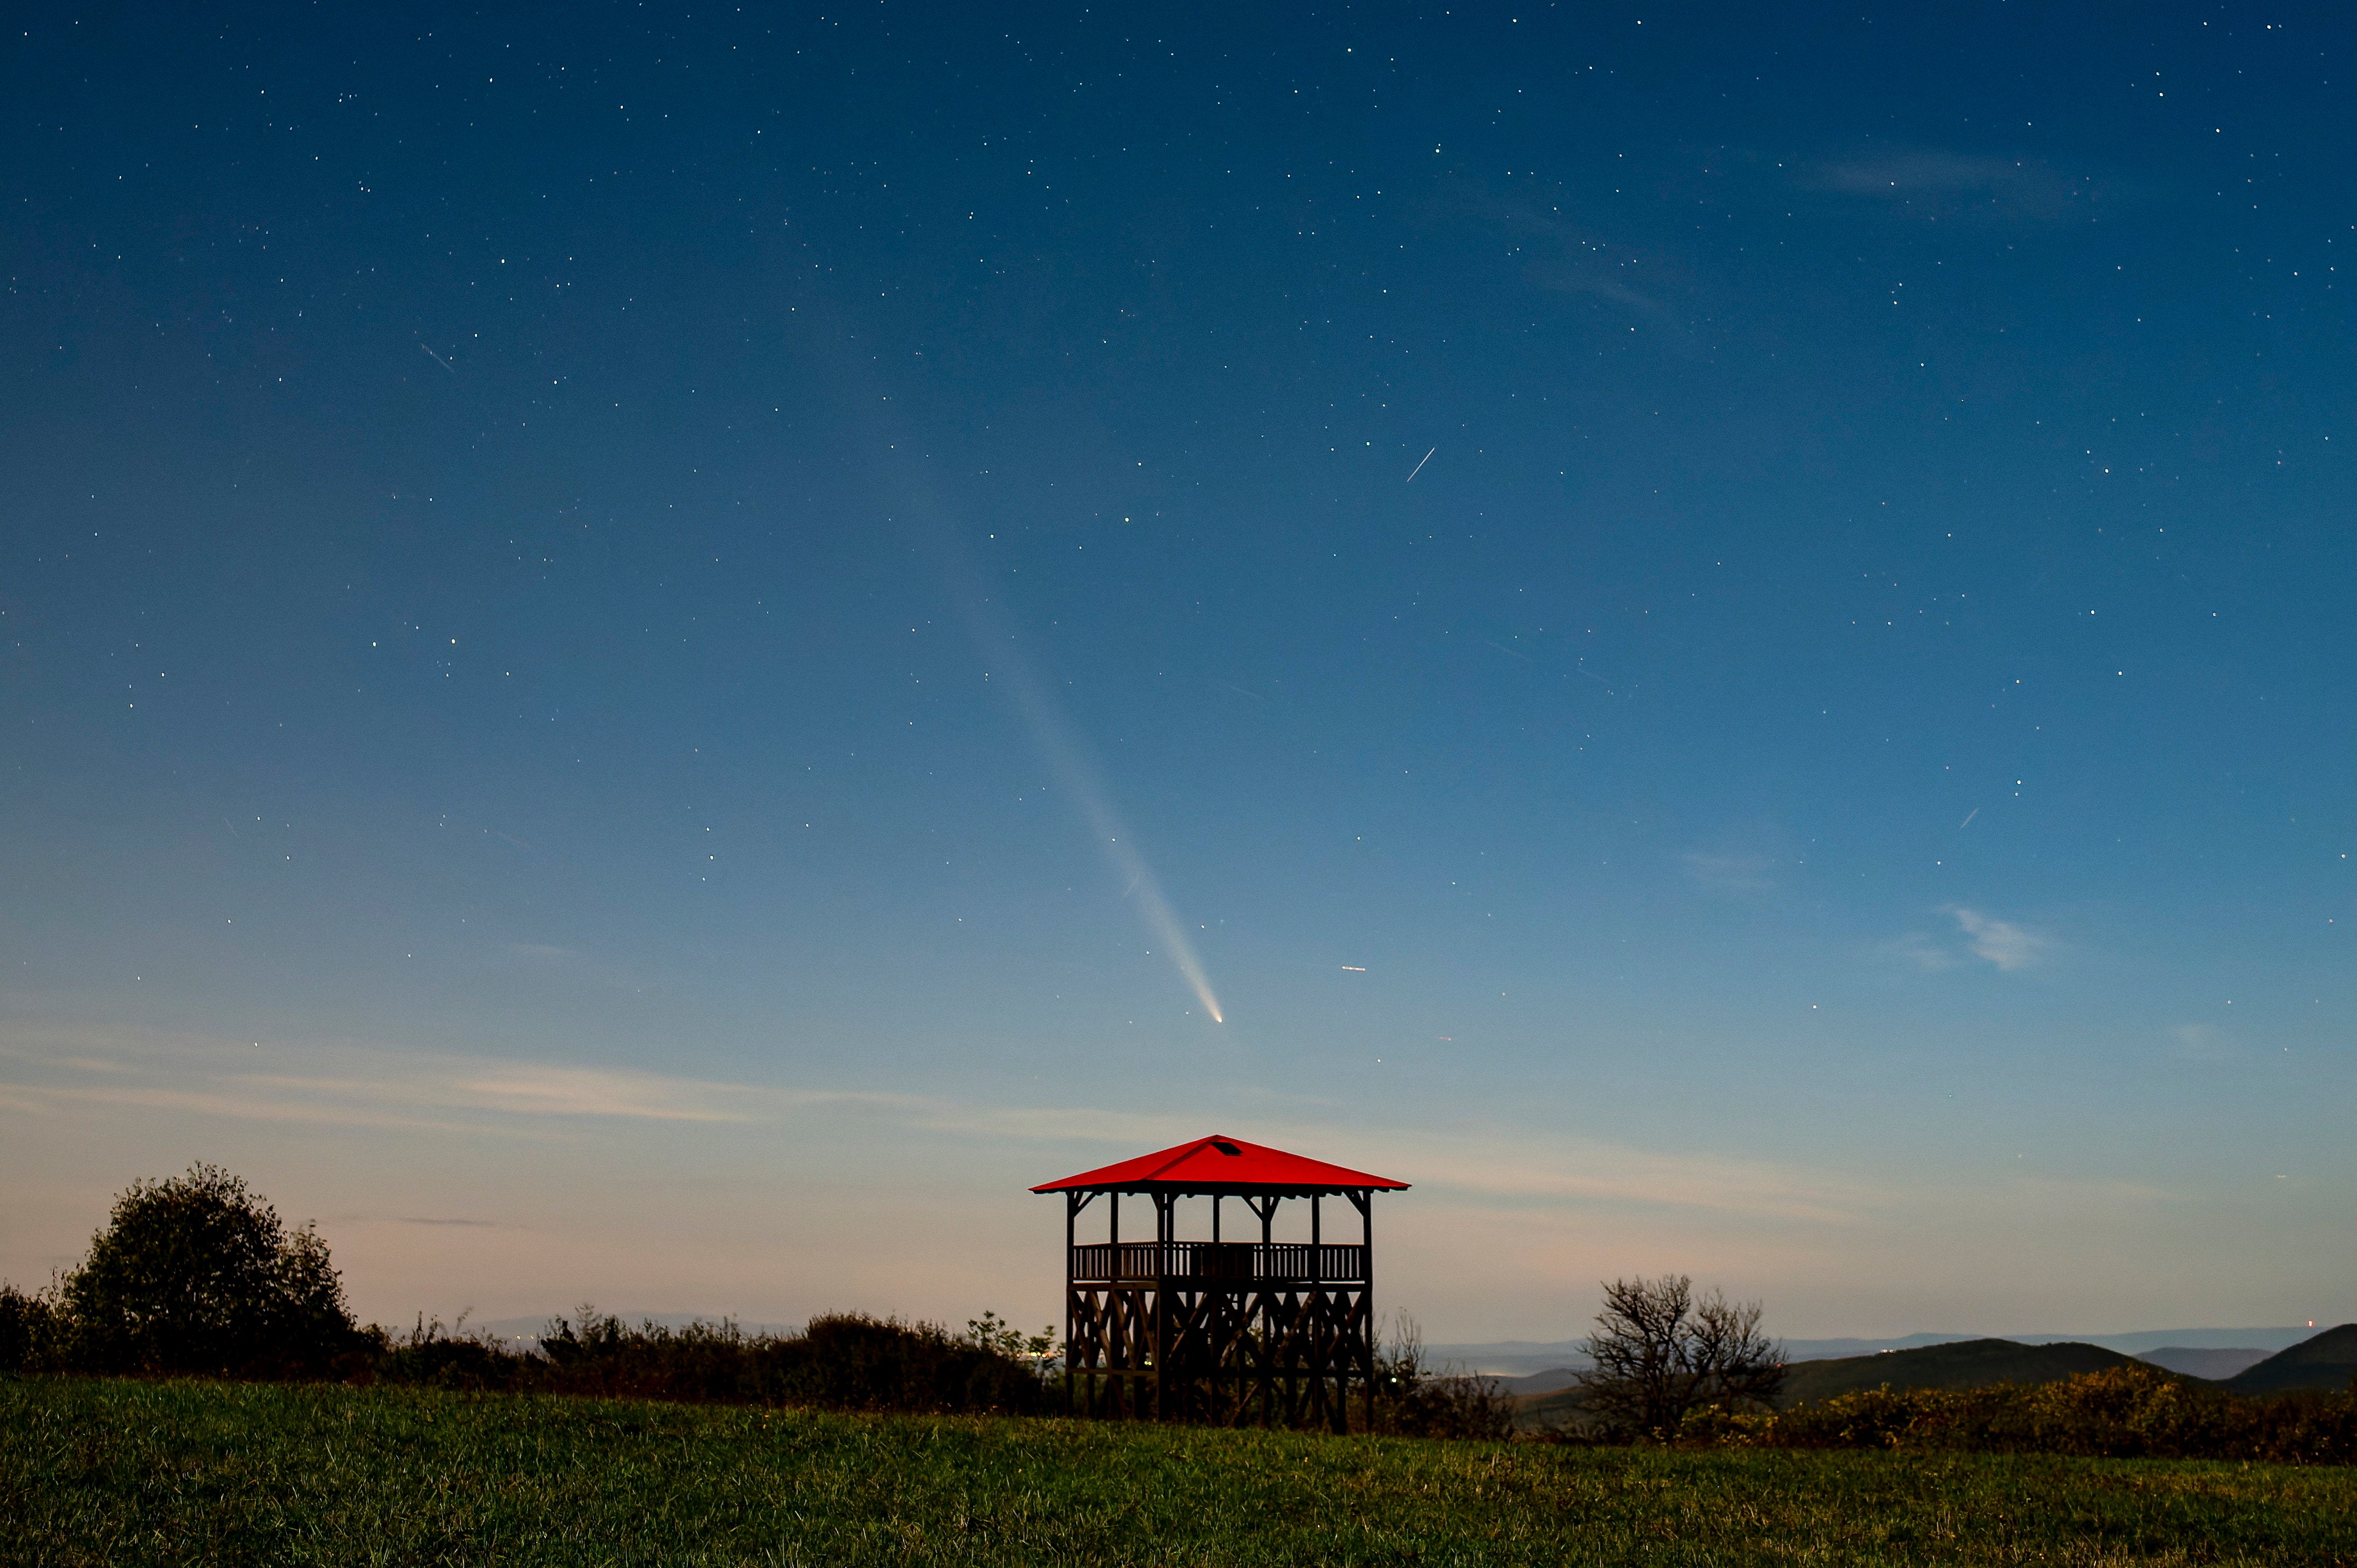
{"points": [[1234, 1332]]}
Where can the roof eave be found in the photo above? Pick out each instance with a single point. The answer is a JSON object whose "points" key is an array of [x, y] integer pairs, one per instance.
{"points": [[1184, 1188]]}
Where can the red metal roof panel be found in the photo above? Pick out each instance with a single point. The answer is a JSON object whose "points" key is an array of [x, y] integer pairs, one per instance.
{"points": [[1220, 1162]]}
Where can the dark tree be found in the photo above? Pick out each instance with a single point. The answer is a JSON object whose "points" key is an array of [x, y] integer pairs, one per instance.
{"points": [[1657, 1353], [29, 1330], [196, 1274]]}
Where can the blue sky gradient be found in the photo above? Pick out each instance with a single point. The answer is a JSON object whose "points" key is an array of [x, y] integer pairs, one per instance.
{"points": [[1725, 631]]}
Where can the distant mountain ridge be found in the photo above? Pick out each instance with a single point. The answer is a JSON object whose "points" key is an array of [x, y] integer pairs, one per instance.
{"points": [[2327, 1361], [1522, 1357], [2215, 1363], [1956, 1364], [1964, 1364]]}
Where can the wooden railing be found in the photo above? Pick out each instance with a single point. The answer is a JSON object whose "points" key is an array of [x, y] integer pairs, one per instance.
{"points": [[1277, 1261]]}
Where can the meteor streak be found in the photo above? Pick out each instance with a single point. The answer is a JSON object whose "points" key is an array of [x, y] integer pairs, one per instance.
{"points": [[1420, 462]]}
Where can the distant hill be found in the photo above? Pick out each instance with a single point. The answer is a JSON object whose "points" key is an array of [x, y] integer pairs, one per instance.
{"points": [[2146, 1340], [1524, 1358], [1506, 1357], [1977, 1363], [1542, 1410], [1545, 1382], [2327, 1361], [1970, 1364], [2204, 1361]]}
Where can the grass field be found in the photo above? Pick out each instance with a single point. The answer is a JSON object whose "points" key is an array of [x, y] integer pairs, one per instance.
{"points": [[111, 1472]]}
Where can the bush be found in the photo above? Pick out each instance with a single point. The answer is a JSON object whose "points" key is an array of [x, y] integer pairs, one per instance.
{"points": [[839, 1361], [31, 1330], [851, 1361], [195, 1274], [2117, 1412], [433, 1357]]}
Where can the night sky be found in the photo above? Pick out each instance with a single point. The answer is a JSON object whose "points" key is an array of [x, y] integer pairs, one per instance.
{"points": [[657, 655]]}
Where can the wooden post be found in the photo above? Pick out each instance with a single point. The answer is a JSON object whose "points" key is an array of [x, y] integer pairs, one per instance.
{"points": [[1366, 1202], [1118, 1386], [1071, 1318], [1159, 1327], [1317, 1314], [1266, 1206]]}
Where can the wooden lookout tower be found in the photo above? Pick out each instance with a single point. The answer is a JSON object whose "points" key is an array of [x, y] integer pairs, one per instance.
{"points": [[1236, 1332]]}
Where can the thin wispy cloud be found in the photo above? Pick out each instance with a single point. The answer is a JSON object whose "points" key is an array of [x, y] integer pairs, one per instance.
{"points": [[1563, 257], [359, 1086], [1593, 1171], [1923, 952], [540, 1090], [520, 1090], [1977, 937], [1912, 172], [230, 1101], [443, 1093], [1552, 1198], [2001, 943], [1607, 278], [1932, 183], [1489, 1167]]}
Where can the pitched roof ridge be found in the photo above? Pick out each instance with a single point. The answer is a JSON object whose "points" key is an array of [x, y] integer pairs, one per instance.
{"points": [[1183, 1153], [1256, 1165]]}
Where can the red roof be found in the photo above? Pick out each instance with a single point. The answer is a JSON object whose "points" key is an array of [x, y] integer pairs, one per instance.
{"points": [[1219, 1163]]}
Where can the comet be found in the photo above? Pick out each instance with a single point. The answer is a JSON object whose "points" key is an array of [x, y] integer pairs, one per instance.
{"points": [[1060, 742], [1083, 784]]}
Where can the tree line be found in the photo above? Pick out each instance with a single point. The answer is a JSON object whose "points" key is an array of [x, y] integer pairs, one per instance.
{"points": [[1670, 1367], [197, 1275]]}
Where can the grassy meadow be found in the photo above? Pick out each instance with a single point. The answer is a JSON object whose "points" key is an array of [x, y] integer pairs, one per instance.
{"points": [[118, 1472]]}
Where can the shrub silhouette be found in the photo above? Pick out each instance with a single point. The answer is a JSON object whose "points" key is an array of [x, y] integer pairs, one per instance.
{"points": [[840, 1360], [195, 1274], [2117, 1412], [31, 1329]]}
